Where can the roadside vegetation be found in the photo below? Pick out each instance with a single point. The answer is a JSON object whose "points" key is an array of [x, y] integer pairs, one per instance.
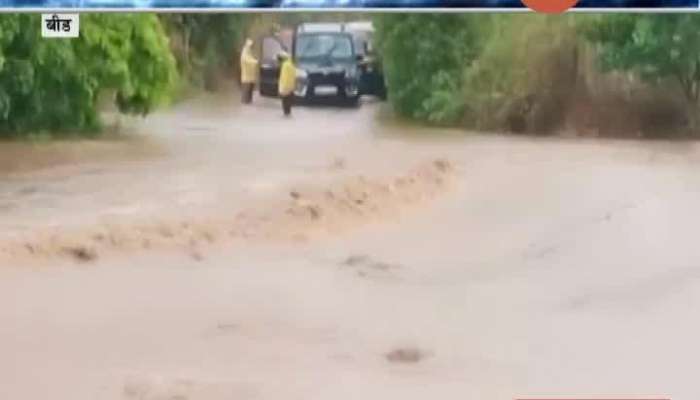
{"points": [[137, 61], [205, 46], [634, 75], [55, 84]]}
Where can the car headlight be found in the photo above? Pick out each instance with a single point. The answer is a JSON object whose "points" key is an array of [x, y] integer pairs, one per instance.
{"points": [[301, 82]]}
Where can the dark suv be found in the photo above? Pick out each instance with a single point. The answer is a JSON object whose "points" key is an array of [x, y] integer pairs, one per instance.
{"points": [[331, 58], [325, 57], [328, 62]]}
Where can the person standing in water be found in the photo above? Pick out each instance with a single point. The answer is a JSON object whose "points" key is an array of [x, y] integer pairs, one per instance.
{"points": [[249, 71], [287, 82]]}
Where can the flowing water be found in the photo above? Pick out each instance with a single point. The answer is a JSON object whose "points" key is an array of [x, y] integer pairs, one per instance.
{"points": [[552, 267]]}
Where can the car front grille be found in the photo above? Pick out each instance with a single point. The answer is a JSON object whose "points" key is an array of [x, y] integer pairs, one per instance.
{"points": [[318, 78]]}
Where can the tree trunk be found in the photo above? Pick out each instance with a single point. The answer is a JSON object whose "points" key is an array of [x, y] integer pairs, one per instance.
{"points": [[691, 94], [693, 120], [186, 51], [188, 59]]}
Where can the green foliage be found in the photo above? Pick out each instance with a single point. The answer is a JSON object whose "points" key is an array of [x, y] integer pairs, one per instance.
{"points": [[205, 44], [55, 84], [444, 105], [656, 47], [523, 56], [468, 68], [424, 56], [291, 19]]}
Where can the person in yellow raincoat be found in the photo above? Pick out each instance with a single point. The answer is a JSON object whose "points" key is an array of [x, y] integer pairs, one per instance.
{"points": [[249, 69], [287, 82]]}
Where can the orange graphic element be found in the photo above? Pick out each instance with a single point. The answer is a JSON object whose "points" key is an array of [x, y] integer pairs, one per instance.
{"points": [[550, 6]]}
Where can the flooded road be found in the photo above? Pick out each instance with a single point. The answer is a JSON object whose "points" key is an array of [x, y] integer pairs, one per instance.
{"points": [[549, 267]]}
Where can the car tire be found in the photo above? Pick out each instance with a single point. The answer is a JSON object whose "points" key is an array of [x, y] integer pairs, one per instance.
{"points": [[310, 94], [346, 100], [352, 101]]}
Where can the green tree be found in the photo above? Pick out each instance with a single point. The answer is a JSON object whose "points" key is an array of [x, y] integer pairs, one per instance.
{"points": [[424, 57], [659, 48], [205, 45], [54, 85]]}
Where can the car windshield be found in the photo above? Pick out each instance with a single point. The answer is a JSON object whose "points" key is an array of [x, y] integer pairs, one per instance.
{"points": [[324, 45]]}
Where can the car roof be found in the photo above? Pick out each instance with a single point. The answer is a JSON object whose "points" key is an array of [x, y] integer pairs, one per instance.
{"points": [[320, 27], [360, 26]]}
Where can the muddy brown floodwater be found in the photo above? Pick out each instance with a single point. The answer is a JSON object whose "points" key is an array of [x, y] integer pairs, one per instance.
{"points": [[330, 256]]}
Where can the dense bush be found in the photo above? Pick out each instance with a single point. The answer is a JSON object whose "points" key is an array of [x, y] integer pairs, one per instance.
{"points": [[472, 68], [476, 69], [527, 72], [424, 57], [661, 49], [205, 45], [54, 85]]}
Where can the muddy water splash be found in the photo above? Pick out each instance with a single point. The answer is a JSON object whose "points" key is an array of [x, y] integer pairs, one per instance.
{"points": [[309, 212]]}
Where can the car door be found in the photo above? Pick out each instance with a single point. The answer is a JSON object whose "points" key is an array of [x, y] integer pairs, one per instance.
{"points": [[271, 46], [371, 75], [365, 64]]}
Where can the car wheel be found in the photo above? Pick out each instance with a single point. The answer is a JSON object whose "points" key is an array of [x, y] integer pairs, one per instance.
{"points": [[347, 100], [310, 95], [352, 101]]}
